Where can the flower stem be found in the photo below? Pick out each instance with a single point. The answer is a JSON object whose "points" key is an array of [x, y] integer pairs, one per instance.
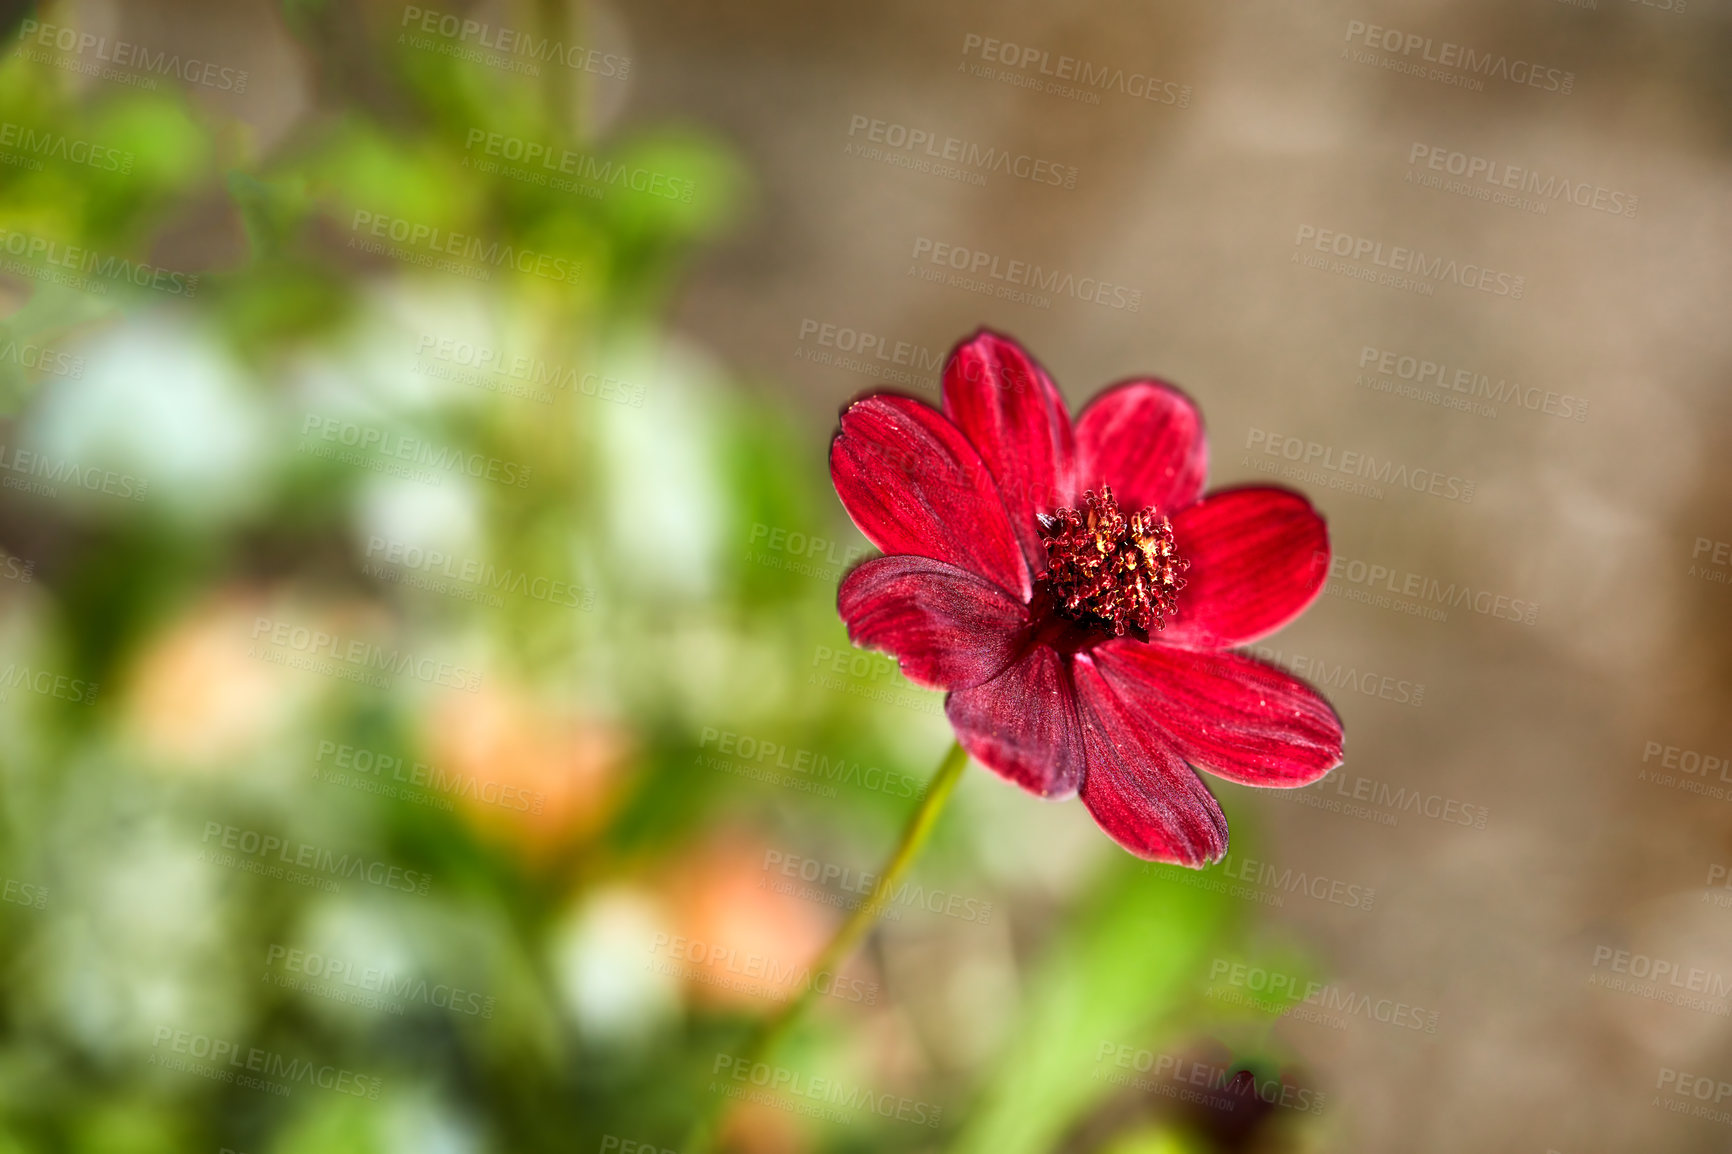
{"points": [[770, 1034]]}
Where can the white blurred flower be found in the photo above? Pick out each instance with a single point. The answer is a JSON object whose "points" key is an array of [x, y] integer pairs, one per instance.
{"points": [[394, 517], [136, 939], [161, 401], [662, 476], [604, 959], [424, 1122]]}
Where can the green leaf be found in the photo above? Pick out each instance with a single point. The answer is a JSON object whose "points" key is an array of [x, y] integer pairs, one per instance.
{"points": [[1127, 963]]}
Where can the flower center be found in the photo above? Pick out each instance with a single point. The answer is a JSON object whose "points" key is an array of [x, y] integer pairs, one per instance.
{"points": [[1104, 567]]}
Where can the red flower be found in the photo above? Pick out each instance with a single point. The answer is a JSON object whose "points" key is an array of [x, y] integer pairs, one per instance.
{"points": [[1078, 596]]}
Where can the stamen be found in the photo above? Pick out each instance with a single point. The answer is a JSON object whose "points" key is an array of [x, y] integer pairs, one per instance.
{"points": [[1104, 568]]}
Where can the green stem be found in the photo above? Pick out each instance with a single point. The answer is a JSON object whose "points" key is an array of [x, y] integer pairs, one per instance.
{"points": [[770, 1034]]}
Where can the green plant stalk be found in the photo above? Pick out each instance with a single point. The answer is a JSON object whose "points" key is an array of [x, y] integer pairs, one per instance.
{"points": [[770, 1034]]}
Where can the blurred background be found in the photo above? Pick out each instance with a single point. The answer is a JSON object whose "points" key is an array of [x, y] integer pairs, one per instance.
{"points": [[424, 721]]}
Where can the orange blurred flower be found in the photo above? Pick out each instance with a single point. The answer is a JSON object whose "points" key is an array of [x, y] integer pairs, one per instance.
{"points": [[740, 941], [755, 1128], [530, 776], [195, 698]]}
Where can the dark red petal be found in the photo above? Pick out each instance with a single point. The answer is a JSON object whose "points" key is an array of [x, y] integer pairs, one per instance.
{"points": [[913, 484], [948, 628], [1023, 724], [1138, 787], [1258, 557], [1229, 714], [1145, 439], [1010, 409]]}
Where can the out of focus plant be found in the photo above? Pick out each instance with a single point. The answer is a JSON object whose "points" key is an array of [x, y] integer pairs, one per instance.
{"points": [[485, 831]]}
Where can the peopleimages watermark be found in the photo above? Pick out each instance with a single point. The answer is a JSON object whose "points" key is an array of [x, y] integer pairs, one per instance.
{"points": [[1468, 390], [1718, 568], [29, 355], [1513, 186], [1446, 61], [431, 246], [373, 987], [16, 569], [31, 472], [826, 1098], [1661, 980], [375, 771], [35, 144], [46, 683], [253, 1067], [1264, 883], [808, 770], [466, 578], [886, 359], [1287, 880], [1685, 769], [1719, 878], [1344, 678], [1025, 66], [500, 46], [842, 671], [1326, 1004], [930, 151], [807, 554], [1675, 7], [1397, 266], [137, 58], [351, 659], [45, 259], [614, 1144], [301, 862], [1348, 470], [1381, 802], [862, 888], [564, 170], [1690, 1094], [518, 374], [399, 454], [1193, 1080], [754, 974], [477, 367], [1386, 587], [30, 895], [1017, 281]]}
